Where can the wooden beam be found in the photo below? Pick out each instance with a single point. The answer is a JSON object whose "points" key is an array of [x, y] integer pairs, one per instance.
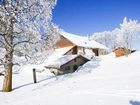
{"points": [[34, 75]]}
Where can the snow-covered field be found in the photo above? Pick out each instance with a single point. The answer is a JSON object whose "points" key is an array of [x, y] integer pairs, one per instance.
{"points": [[104, 81]]}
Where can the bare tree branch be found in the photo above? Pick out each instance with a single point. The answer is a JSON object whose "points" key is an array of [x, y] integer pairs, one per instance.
{"points": [[16, 64], [1, 62], [27, 56], [25, 41], [2, 42], [17, 33], [6, 40]]}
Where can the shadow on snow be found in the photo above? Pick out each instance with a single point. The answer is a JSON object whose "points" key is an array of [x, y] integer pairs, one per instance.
{"points": [[134, 102]]}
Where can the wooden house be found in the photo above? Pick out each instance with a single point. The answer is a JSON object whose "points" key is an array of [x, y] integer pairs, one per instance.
{"points": [[66, 64], [79, 44]]}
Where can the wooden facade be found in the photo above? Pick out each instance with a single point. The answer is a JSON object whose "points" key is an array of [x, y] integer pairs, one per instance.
{"points": [[63, 42], [69, 67], [73, 65], [96, 51]]}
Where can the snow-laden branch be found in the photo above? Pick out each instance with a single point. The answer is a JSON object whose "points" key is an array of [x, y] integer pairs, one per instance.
{"points": [[1, 62], [25, 41]]}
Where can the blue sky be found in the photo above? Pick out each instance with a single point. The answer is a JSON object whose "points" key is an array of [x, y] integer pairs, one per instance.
{"points": [[85, 17]]}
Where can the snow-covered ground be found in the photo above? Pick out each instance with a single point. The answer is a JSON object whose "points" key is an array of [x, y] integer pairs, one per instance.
{"points": [[104, 81]]}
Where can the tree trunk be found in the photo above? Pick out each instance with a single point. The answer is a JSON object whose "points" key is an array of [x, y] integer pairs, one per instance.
{"points": [[7, 85]]}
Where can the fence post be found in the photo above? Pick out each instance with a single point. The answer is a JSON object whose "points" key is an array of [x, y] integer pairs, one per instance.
{"points": [[34, 75]]}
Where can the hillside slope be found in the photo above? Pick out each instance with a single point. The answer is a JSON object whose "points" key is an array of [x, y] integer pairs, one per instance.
{"points": [[104, 81]]}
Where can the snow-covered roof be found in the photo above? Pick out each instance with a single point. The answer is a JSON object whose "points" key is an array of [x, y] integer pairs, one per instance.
{"points": [[57, 54], [62, 60], [62, 51], [82, 41]]}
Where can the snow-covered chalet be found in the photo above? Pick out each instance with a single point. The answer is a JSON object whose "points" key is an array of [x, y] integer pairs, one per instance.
{"points": [[75, 44], [72, 51]]}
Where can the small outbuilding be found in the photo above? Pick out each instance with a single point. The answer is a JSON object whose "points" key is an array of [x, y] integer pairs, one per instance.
{"points": [[120, 51], [66, 64]]}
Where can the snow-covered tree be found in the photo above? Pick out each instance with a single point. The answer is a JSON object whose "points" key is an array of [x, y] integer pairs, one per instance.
{"points": [[123, 36], [21, 24], [53, 35], [104, 38], [129, 30]]}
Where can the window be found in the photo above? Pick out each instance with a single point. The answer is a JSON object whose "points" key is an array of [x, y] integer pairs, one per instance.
{"points": [[75, 60], [75, 67], [67, 68]]}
